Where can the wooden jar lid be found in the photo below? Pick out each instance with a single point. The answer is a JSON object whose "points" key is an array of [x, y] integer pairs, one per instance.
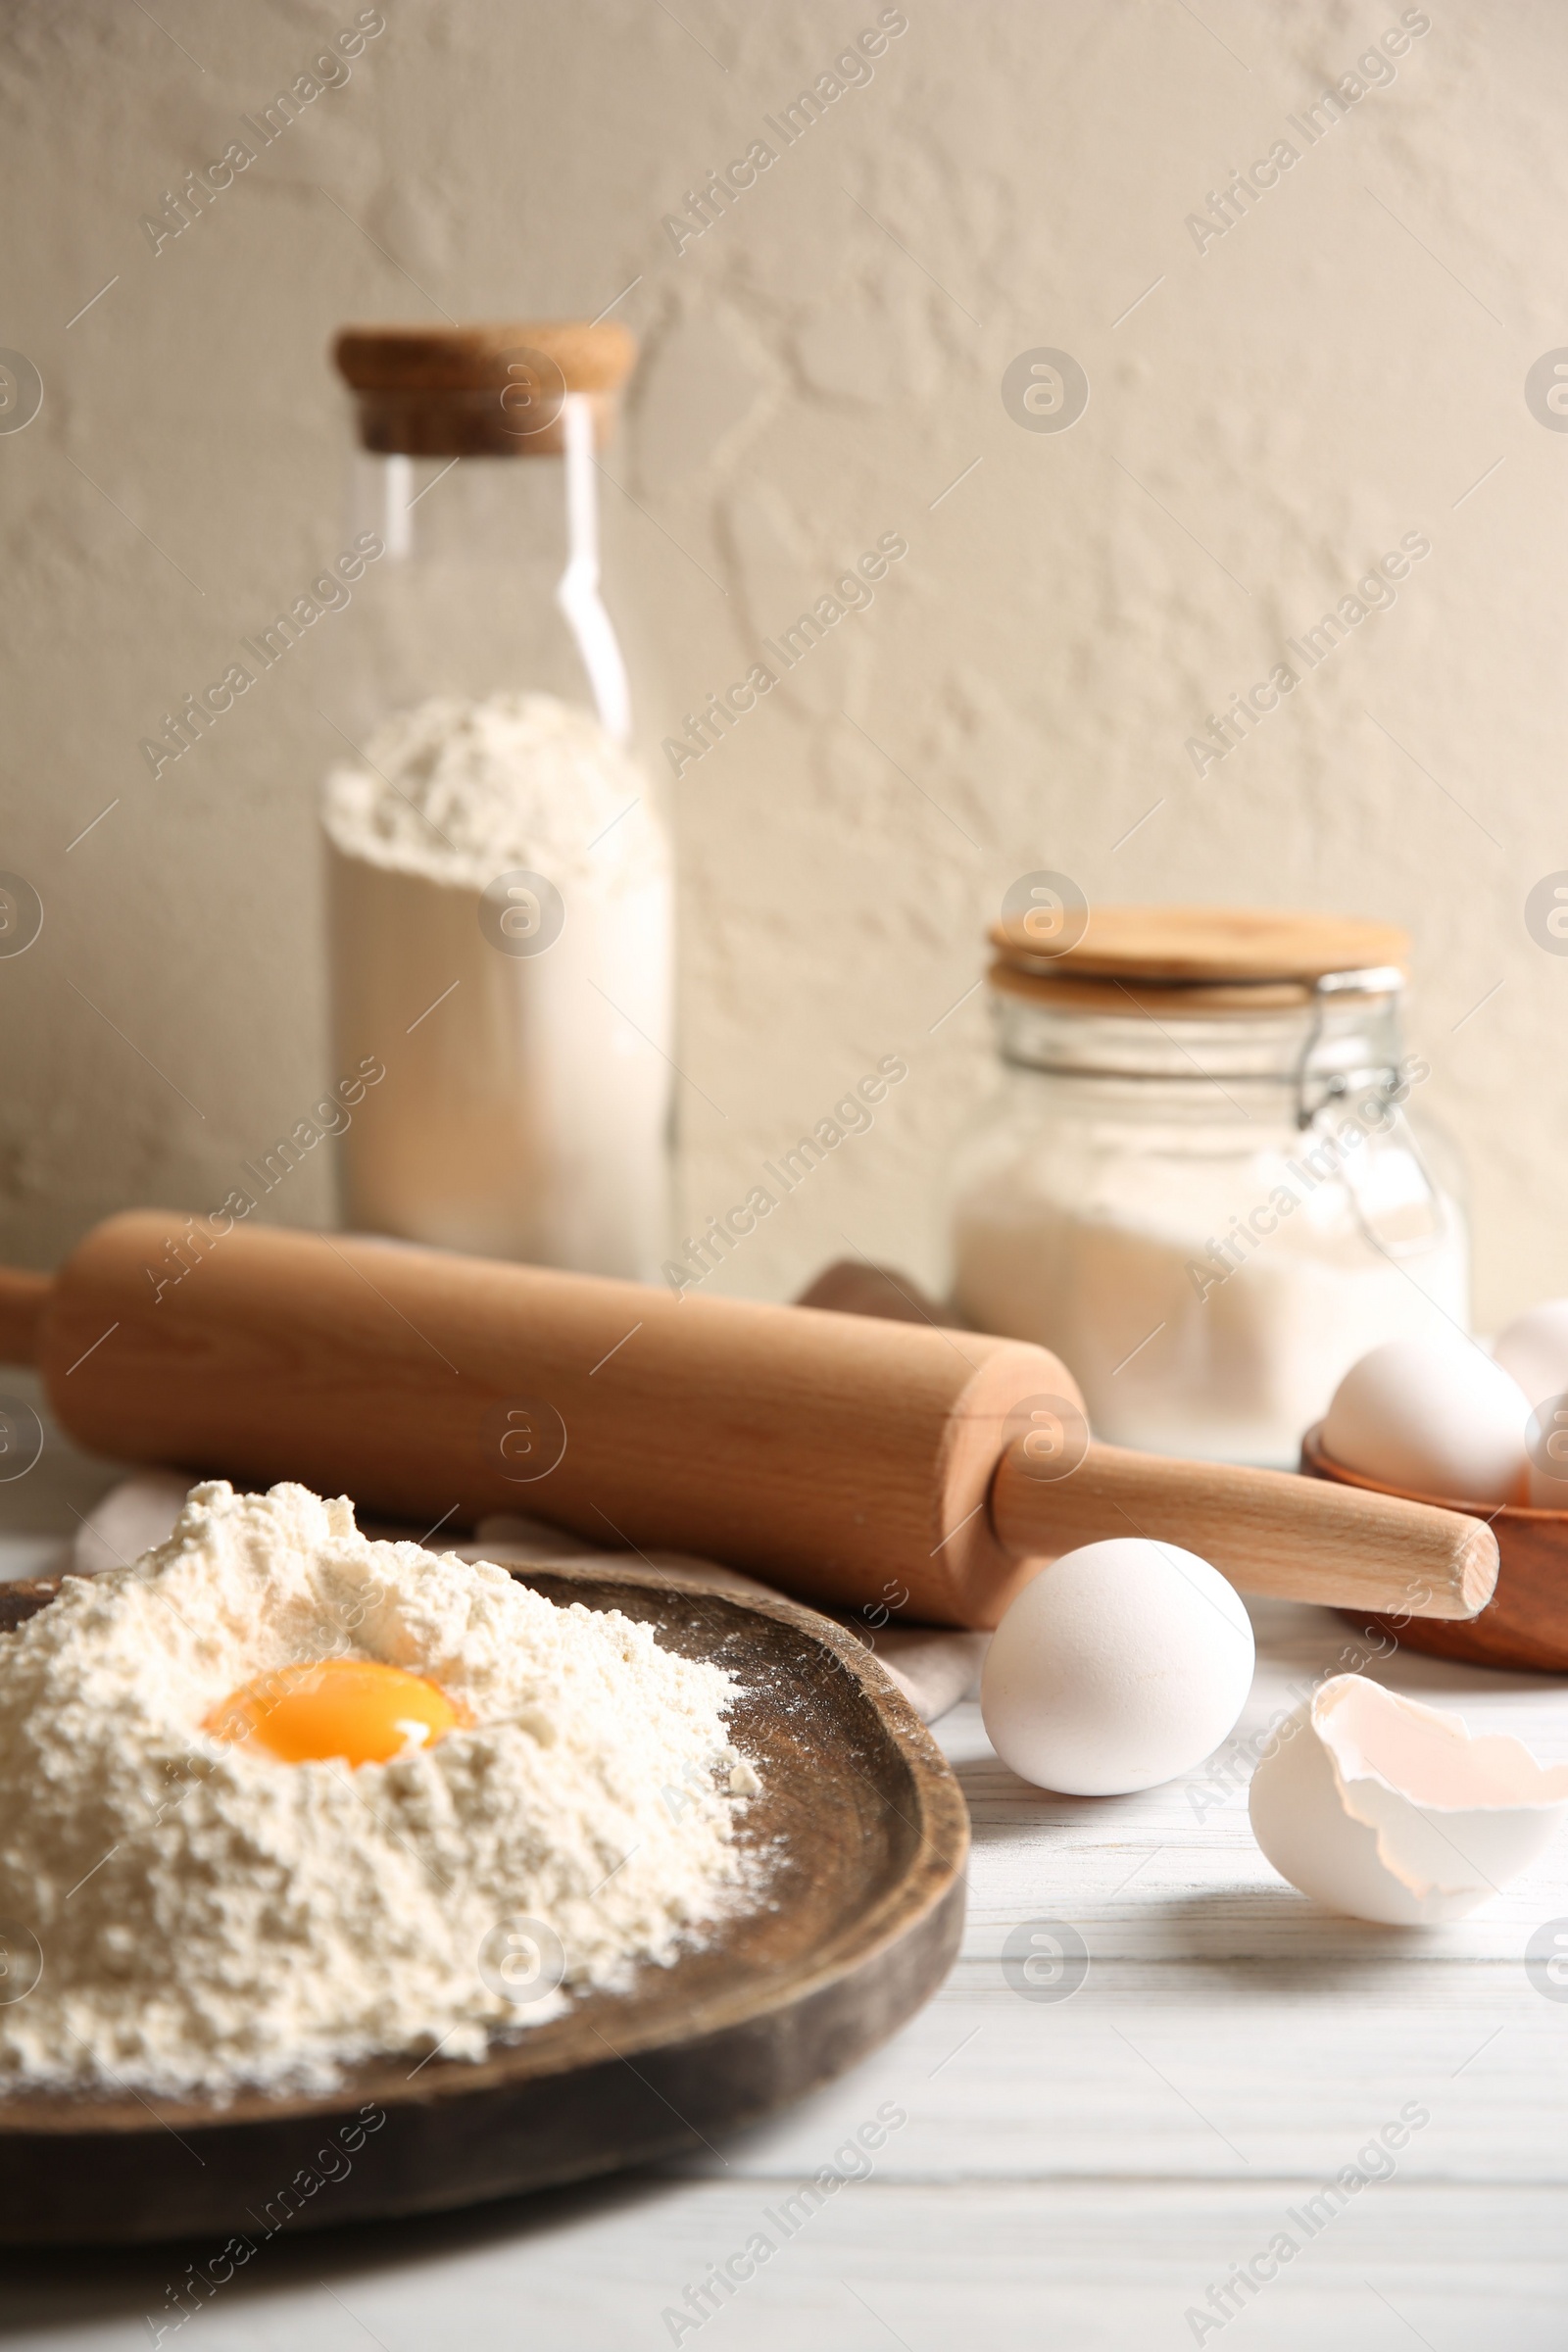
{"points": [[483, 390], [1207, 961]]}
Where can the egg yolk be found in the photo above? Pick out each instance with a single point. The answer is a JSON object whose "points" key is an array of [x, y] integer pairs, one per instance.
{"points": [[355, 1708]]}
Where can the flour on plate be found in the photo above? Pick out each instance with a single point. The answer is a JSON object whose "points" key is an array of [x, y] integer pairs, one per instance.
{"points": [[211, 1918]]}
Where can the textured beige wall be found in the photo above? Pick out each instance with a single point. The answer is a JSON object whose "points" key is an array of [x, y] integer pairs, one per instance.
{"points": [[1336, 370]]}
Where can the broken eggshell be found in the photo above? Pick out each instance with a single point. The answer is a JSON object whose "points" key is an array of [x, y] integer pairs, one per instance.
{"points": [[1378, 1807]]}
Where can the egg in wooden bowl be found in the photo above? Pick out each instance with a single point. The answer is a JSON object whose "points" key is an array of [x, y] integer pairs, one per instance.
{"points": [[1445, 1422]]}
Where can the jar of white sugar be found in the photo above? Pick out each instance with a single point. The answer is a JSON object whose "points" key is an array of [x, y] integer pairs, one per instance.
{"points": [[500, 880], [1206, 1180]]}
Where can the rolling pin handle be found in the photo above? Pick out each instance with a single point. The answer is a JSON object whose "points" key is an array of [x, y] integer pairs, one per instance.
{"points": [[22, 1300], [1268, 1531]]}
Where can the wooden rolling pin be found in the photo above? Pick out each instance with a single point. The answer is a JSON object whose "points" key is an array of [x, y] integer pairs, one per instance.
{"points": [[852, 1460]]}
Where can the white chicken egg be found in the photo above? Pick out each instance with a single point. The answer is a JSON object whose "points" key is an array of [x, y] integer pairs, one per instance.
{"points": [[1434, 1416], [1378, 1807], [1533, 1350], [1117, 1667]]}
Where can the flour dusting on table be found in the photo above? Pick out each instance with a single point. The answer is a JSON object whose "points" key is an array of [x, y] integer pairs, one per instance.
{"points": [[211, 1917]]}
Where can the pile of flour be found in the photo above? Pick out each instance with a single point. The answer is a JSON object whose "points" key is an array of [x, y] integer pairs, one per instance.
{"points": [[210, 1916], [461, 791]]}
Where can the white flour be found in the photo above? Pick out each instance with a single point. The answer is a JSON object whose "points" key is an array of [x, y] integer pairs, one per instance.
{"points": [[525, 1112], [211, 1917], [461, 791], [1238, 1374]]}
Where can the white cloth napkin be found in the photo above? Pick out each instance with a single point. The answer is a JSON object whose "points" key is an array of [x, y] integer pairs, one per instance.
{"points": [[932, 1667]]}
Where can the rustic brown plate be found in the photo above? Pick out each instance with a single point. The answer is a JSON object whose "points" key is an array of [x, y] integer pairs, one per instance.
{"points": [[1525, 1623], [861, 1918]]}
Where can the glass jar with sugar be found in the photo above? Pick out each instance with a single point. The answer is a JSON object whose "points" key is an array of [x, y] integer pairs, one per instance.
{"points": [[1202, 1182], [499, 874]]}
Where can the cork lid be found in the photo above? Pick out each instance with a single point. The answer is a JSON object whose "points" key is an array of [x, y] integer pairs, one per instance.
{"points": [[481, 390], [1208, 960]]}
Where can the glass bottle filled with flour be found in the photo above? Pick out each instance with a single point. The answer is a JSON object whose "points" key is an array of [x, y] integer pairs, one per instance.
{"points": [[1203, 1180], [500, 883]]}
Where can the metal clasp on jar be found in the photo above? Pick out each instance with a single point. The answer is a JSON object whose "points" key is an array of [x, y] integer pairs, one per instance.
{"points": [[1372, 1137]]}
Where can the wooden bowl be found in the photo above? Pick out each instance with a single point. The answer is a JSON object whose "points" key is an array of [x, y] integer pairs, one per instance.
{"points": [[863, 1914], [1526, 1621]]}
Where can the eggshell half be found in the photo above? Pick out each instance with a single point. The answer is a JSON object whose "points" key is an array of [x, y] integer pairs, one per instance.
{"points": [[1435, 1417], [1378, 1807]]}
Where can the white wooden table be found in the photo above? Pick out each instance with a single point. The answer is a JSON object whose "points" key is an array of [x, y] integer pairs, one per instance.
{"points": [[1072, 2173]]}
